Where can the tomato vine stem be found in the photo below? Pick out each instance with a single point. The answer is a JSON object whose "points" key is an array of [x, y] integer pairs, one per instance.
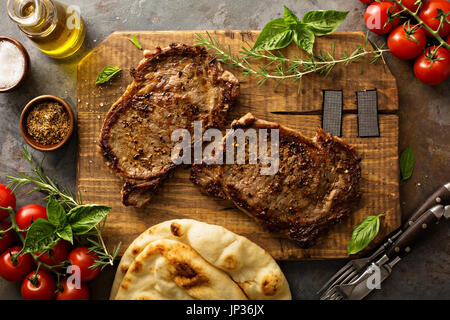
{"points": [[415, 15]]}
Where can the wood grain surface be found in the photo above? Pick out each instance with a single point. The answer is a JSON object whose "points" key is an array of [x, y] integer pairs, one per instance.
{"points": [[179, 198]]}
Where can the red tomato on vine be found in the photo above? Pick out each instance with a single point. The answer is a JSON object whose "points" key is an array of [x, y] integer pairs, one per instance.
{"points": [[433, 12], [14, 268], [407, 42], [38, 287], [7, 239], [7, 199], [70, 292], [433, 66], [84, 259], [381, 18], [29, 213]]}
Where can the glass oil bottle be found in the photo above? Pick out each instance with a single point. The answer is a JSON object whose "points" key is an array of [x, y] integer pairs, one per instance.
{"points": [[56, 29]]}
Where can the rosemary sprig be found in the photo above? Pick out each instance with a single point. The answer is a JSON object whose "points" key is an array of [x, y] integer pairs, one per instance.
{"points": [[43, 183], [274, 65]]}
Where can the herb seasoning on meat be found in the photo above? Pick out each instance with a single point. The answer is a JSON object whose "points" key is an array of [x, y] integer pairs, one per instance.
{"points": [[48, 123]]}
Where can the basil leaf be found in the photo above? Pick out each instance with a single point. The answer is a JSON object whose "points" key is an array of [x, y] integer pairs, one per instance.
{"points": [[85, 217], [66, 233], [290, 18], [107, 73], [56, 214], [304, 38], [135, 41], [323, 22], [363, 234], [275, 35], [40, 237], [407, 163]]}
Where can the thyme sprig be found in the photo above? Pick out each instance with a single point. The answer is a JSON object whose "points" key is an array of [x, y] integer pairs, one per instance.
{"points": [[274, 65], [43, 183]]}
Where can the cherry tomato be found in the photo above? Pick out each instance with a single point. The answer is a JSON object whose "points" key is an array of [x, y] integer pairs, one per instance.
{"points": [[7, 199], [366, 1], [82, 258], [406, 42], [429, 12], [30, 213], [42, 287], [57, 255], [8, 238], [70, 292], [15, 271], [433, 72], [377, 15], [410, 4], [448, 41]]}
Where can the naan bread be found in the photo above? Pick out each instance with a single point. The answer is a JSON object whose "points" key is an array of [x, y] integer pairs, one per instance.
{"points": [[169, 269], [247, 264]]}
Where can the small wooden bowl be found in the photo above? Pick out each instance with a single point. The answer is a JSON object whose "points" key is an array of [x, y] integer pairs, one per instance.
{"points": [[26, 68], [23, 126]]}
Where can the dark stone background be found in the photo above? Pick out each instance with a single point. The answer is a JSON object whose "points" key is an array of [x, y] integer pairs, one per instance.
{"points": [[424, 125]]}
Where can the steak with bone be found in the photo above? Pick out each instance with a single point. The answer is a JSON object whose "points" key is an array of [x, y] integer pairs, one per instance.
{"points": [[316, 186], [171, 88]]}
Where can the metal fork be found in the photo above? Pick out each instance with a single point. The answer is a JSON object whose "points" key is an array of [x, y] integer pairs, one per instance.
{"points": [[351, 270]]}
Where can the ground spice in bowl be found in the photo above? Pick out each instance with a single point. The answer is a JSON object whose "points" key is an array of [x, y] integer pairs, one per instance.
{"points": [[48, 123]]}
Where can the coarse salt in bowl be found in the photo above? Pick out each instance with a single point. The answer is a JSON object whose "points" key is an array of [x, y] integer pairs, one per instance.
{"points": [[13, 64]]}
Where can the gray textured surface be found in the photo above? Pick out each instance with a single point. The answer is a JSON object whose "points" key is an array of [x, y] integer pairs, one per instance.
{"points": [[424, 125]]}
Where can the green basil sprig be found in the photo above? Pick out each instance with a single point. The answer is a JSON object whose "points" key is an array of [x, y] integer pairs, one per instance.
{"points": [[280, 32], [407, 163], [43, 235], [107, 73], [363, 234]]}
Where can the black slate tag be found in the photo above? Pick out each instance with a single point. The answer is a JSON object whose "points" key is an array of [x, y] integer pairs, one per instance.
{"points": [[332, 112], [368, 113]]}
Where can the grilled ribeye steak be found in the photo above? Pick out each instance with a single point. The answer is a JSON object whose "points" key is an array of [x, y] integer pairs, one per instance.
{"points": [[172, 88], [316, 186]]}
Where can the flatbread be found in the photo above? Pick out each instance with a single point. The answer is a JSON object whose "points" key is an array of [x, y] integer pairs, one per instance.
{"points": [[247, 264], [169, 269]]}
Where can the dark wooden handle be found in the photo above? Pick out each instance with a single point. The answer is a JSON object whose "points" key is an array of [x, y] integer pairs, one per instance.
{"points": [[421, 226], [443, 197]]}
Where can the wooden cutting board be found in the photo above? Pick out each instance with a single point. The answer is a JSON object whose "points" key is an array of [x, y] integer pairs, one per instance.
{"points": [[179, 198]]}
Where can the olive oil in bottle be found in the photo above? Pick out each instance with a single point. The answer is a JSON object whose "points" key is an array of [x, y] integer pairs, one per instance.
{"points": [[56, 29]]}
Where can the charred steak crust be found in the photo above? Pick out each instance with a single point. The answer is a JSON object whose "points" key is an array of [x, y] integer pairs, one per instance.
{"points": [[171, 88], [317, 184]]}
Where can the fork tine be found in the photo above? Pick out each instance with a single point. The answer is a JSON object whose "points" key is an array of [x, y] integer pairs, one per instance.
{"points": [[335, 296], [334, 277], [343, 275], [328, 294], [350, 277], [347, 279], [339, 297]]}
